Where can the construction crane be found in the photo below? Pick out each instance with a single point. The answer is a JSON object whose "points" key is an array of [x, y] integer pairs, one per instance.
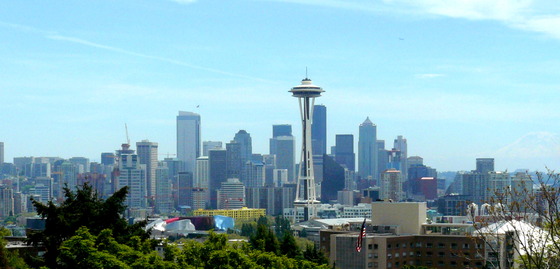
{"points": [[126, 130]]}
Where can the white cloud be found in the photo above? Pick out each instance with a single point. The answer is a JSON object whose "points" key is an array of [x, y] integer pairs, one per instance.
{"points": [[529, 15]]}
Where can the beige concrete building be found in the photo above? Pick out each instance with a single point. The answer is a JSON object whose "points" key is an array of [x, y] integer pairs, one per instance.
{"points": [[407, 218]]}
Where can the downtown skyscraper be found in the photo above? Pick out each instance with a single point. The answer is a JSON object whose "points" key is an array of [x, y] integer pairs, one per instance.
{"points": [[148, 154], [188, 139], [367, 150], [283, 145], [319, 130]]}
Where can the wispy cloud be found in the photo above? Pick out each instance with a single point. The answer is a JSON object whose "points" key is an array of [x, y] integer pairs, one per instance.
{"points": [[428, 76], [148, 56], [58, 37], [529, 15]]}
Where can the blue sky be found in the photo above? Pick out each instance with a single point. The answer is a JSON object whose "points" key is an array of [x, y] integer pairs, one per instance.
{"points": [[459, 79]]}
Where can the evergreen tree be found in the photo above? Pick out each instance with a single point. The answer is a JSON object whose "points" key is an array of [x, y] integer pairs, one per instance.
{"points": [[83, 208]]}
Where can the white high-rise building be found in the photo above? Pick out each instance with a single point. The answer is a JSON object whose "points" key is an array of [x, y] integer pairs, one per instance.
{"points": [[231, 194], [133, 175], [391, 185], [201, 181], [148, 154], [401, 144], [279, 177], [188, 139], [163, 197]]}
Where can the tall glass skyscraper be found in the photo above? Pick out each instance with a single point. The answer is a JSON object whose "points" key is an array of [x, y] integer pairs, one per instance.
{"points": [[345, 151], [367, 150], [188, 139], [319, 130]]}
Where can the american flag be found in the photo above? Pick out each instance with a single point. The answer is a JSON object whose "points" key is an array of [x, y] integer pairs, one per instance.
{"points": [[361, 236]]}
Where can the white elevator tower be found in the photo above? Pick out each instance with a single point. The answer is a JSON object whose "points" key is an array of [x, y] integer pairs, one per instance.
{"points": [[306, 197]]}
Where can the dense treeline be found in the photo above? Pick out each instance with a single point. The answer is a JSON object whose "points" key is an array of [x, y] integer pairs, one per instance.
{"points": [[86, 231]]}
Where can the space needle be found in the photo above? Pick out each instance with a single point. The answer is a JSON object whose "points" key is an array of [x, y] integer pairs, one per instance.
{"points": [[306, 196]]}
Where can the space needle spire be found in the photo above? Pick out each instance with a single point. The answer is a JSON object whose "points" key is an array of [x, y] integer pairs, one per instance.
{"points": [[306, 196]]}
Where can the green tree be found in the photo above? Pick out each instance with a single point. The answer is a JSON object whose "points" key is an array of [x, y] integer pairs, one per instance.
{"points": [[282, 226], [289, 247], [312, 253], [264, 239], [82, 208]]}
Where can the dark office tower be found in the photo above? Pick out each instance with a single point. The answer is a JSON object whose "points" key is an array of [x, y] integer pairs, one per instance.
{"points": [[382, 157], [420, 180], [246, 150], [395, 160], [234, 163], [345, 151], [484, 165], [108, 158], [184, 189], [217, 163], [333, 179], [284, 149], [188, 139], [281, 130], [319, 130], [148, 154], [400, 145], [367, 150]]}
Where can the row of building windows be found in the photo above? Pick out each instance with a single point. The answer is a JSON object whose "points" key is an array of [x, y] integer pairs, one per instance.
{"points": [[428, 263], [427, 254]]}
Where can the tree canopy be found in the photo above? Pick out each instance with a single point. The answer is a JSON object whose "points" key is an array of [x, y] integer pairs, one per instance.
{"points": [[83, 208]]}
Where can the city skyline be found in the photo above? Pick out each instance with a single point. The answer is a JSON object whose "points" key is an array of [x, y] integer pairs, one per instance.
{"points": [[457, 81]]}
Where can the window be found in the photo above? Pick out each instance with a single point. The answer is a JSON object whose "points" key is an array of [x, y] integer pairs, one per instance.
{"points": [[388, 246], [429, 245], [429, 263], [466, 264], [370, 255], [389, 256], [454, 245], [370, 264], [478, 246], [418, 245], [389, 265], [441, 245], [404, 254], [440, 263], [370, 246], [396, 255], [375, 246], [441, 254], [375, 255], [465, 245], [453, 263], [429, 254]]}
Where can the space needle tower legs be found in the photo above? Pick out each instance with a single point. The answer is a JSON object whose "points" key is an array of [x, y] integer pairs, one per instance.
{"points": [[306, 197]]}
